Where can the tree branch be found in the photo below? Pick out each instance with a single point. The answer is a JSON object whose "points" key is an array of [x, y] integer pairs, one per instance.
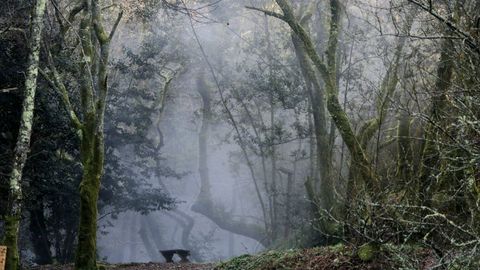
{"points": [[267, 12], [59, 87], [8, 90], [114, 28]]}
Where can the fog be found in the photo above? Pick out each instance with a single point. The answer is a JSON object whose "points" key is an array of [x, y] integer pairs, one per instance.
{"points": [[138, 238], [233, 39], [218, 128]]}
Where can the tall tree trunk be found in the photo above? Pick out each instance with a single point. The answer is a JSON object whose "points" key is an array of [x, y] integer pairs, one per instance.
{"points": [[321, 189], [430, 155], [317, 99], [273, 173], [92, 161], [12, 219], [92, 148], [288, 200], [148, 237], [404, 148], [273, 159], [38, 234], [204, 92]]}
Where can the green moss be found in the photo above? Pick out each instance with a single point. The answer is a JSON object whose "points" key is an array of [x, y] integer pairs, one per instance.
{"points": [[102, 266], [86, 248], [10, 240], [338, 248], [274, 259], [367, 252]]}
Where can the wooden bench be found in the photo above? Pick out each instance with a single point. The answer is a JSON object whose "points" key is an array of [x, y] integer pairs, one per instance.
{"points": [[182, 253]]}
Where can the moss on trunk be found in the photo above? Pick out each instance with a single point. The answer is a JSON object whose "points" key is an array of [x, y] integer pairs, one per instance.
{"points": [[10, 240], [92, 160], [430, 154], [86, 247]]}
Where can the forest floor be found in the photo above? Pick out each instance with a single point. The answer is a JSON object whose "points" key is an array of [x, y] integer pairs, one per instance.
{"points": [[136, 266], [338, 257]]}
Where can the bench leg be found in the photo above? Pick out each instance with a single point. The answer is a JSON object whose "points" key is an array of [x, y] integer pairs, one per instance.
{"points": [[184, 259], [168, 257]]}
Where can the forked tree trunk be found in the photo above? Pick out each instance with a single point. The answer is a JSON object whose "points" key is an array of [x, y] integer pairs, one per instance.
{"points": [[13, 216], [95, 44]]}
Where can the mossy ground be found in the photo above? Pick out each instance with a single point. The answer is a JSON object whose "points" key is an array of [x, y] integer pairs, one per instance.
{"points": [[333, 257]]}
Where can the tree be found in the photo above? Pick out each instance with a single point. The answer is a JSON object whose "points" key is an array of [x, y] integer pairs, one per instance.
{"points": [[93, 84], [204, 203], [12, 218], [328, 72]]}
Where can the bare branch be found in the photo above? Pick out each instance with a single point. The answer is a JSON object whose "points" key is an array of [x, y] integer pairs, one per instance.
{"points": [[267, 12], [114, 28]]}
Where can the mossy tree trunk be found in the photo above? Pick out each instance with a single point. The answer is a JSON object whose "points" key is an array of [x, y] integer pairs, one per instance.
{"points": [[92, 81], [92, 161], [13, 216], [430, 154], [323, 161]]}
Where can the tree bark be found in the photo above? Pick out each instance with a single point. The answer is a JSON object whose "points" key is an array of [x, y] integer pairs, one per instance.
{"points": [[430, 155], [92, 161], [317, 98], [12, 219]]}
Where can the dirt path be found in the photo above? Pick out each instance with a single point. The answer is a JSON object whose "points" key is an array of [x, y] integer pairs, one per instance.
{"points": [[137, 266]]}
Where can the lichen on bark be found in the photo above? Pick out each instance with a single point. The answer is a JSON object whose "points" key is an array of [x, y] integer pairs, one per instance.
{"points": [[13, 215]]}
